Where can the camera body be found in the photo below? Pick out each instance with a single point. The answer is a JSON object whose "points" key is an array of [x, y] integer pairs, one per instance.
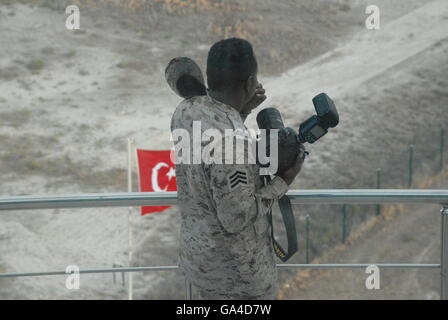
{"points": [[309, 131], [317, 126]]}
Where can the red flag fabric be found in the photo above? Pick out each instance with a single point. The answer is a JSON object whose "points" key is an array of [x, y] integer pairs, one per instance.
{"points": [[156, 174]]}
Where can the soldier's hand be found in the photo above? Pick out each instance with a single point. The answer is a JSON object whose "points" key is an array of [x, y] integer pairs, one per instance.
{"points": [[257, 99], [290, 174]]}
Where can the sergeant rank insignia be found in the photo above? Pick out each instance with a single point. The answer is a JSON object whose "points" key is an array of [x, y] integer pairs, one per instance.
{"points": [[237, 178]]}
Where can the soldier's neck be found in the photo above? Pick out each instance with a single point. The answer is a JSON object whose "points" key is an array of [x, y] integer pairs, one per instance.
{"points": [[232, 100]]}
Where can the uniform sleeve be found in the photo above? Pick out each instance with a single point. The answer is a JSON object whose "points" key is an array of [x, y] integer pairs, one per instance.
{"points": [[235, 195]]}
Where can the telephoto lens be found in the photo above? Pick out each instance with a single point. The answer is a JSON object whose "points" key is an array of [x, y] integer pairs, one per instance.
{"points": [[309, 131], [288, 140], [270, 118]]}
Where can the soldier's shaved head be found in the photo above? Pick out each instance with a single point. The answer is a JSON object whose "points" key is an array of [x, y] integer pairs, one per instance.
{"points": [[230, 63]]}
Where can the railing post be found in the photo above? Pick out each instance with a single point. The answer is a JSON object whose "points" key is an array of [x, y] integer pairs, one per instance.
{"points": [[378, 186], [307, 239], [444, 255], [188, 289], [344, 223]]}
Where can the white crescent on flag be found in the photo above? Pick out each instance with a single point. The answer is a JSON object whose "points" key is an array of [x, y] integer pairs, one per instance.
{"points": [[155, 176]]}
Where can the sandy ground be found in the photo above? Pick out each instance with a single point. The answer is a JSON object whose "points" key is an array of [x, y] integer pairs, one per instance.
{"points": [[69, 101]]}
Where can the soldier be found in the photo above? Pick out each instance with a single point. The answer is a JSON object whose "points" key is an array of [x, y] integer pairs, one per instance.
{"points": [[225, 243]]}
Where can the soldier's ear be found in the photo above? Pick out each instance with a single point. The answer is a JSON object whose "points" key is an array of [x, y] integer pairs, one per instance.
{"points": [[249, 84]]}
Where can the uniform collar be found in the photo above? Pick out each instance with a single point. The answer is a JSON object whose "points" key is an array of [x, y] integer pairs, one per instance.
{"points": [[224, 107]]}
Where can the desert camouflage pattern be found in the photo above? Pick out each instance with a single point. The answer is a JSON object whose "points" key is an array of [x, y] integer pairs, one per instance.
{"points": [[225, 242]]}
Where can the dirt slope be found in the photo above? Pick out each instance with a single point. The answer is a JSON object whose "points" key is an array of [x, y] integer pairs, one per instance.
{"points": [[69, 101], [381, 115]]}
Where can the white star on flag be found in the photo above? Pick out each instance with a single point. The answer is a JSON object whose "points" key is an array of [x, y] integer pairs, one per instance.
{"points": [[171, 173]]}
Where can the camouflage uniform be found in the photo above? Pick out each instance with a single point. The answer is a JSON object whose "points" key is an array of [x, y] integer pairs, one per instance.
{"points": [[225, 241]]}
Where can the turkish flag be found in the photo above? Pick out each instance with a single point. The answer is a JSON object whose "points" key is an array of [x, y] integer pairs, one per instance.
{"points": [[156, 174]]}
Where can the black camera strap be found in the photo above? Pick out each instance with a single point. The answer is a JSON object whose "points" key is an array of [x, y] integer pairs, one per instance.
{"points": [[290, 225]]}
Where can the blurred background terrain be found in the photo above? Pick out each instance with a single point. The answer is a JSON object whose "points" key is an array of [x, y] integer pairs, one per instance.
{"points": [[69, 100]]}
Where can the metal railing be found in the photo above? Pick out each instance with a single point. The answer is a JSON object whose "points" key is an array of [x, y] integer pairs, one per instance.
{"points": [[341, 196]]}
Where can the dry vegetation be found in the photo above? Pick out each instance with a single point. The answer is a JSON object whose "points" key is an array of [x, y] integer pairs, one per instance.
{"points": [[27, 155], [280, 31], [141, 37]]}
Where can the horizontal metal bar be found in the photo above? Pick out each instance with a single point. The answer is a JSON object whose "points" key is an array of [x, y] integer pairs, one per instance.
{"points": [[130, 199], [109, 270], [93, 200], [369, 196], [166, 268], [357, 265]]}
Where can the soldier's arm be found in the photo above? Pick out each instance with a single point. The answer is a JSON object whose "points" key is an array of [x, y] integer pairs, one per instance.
{"points": [[237, 201]]}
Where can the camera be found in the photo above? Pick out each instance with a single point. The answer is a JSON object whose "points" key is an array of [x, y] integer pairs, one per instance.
{"points": [[309, 131]]}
